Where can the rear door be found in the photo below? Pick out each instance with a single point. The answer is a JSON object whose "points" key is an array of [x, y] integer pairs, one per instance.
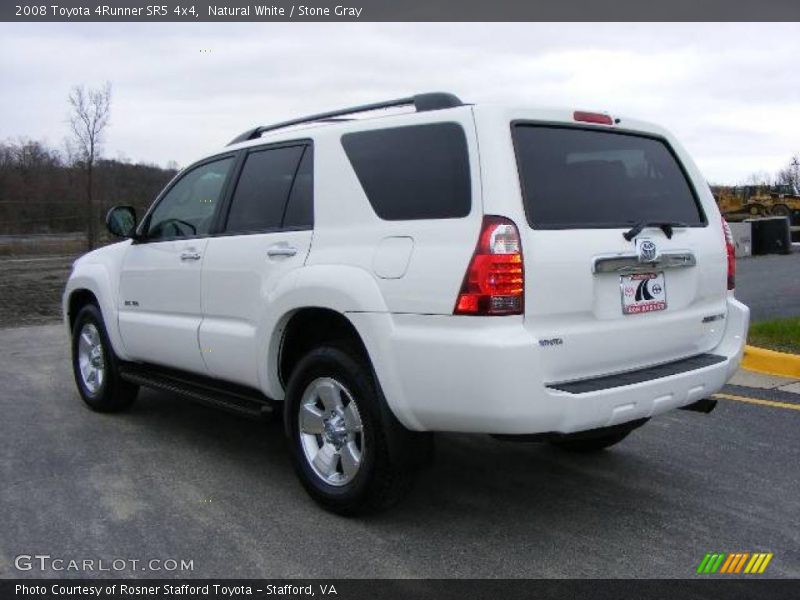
{"points": [[267, 234], [598, 302]]}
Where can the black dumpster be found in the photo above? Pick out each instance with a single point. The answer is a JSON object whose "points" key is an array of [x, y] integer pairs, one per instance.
{"points": [[771, 235]]}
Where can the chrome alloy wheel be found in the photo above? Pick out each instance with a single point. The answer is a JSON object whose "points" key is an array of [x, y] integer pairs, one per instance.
{"points": [[331, 431], [90, 358]]}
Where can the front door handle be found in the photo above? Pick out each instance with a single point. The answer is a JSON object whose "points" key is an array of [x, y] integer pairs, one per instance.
{"points": [[191, 255], [281, 250]]}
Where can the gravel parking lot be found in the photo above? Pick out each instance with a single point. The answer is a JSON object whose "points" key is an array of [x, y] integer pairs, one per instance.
{"points": [[174, 480]]}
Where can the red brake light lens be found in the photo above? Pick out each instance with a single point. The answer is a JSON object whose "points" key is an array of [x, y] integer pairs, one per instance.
{"points": [[495, 280], [592, 117], [731, 250]]}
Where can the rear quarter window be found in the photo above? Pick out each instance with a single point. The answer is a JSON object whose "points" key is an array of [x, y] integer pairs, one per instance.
{"points": [[589, 178], [416, 172]]}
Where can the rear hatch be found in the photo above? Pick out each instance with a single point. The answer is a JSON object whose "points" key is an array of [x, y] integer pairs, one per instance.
{"points": [[597, 302]]}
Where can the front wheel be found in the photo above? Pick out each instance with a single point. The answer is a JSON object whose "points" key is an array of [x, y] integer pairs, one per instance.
{"points": [[339, 447], [95, 366]]}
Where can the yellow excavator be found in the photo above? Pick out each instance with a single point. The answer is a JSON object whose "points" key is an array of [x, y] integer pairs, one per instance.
{"points": [[748, 201]]}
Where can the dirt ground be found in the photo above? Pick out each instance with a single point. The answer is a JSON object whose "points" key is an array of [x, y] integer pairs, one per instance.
{"points": [[31, 288]]}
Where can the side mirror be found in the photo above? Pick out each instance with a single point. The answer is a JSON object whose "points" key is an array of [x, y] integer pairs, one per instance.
{"points": [[121, 221]]}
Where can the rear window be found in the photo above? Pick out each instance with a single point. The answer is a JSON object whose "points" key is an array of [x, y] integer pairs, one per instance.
{"points": [[417, 172], [580, 178]]}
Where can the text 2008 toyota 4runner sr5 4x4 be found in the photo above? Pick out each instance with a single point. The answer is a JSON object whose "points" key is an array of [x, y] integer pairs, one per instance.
{"points": [[428, 266]]}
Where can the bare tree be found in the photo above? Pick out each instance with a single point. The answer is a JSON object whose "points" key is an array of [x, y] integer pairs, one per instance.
{"points": [[790, 174], [90, 110], [759, 178]]}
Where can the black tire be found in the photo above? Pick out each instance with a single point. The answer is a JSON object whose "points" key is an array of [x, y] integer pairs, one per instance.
{"points": [[780, 210], [597, 439], [591, 444], [379, 482], [112, 394]]}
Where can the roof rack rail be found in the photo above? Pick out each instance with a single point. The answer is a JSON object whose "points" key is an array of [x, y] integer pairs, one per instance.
{"points": [[421, 102]]}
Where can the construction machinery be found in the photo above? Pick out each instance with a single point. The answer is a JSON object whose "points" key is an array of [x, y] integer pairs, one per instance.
{"points": [[749, 201]]}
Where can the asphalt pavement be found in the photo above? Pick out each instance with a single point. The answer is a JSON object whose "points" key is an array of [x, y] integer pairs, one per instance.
{"points": [[770, 284], [171, 480]]}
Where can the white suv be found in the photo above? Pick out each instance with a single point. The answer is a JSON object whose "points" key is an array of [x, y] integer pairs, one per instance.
{"points": [[428, 266]]}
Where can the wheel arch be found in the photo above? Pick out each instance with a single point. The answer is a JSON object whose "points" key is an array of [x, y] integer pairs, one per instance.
{"points": [[320, 293], [406, 447], [92, 283], [77, 299], [309, 327]]}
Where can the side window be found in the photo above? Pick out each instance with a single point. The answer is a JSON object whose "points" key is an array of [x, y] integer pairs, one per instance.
{"points": [[417, 172], [188, 208], [300, 209], [262, 191]]}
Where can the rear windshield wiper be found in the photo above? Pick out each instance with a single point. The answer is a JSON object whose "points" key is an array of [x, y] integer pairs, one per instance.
{"points": [[665, 226]]}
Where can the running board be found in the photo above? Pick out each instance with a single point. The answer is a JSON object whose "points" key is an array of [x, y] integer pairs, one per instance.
{"points": [[230, 397]]}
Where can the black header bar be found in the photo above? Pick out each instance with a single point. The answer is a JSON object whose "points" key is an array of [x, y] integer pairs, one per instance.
{"points": [[426, 589]]}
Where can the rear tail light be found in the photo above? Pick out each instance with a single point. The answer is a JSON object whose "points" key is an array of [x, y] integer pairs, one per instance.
{"points": [[592, 117], [495, 280], [731, 249]]}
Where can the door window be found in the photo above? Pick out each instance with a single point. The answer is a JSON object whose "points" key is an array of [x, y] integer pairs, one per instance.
{"points": [[299, 212], [188, 208], [263, 190]]}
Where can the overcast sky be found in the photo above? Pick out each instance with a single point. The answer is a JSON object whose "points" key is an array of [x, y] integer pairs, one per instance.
{"points": [[730, 92]]}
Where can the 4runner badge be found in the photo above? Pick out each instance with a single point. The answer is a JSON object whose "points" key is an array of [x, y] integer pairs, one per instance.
{"points": [[646, 250]]}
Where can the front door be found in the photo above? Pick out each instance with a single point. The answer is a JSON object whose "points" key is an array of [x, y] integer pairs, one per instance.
{"points": [[159, 302]]}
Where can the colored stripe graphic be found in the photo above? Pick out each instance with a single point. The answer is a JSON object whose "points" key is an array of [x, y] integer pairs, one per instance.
{"points": [[766, 562], [718, 564], [740, 564], [734, 563], [754, 564], [703, 563], [711, 563], [730, 564], [726, 567]]}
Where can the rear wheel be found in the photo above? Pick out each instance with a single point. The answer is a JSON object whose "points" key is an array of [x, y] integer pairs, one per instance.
{"points": [[95, 366], [592, 444], [339, 446], [780, 210]]}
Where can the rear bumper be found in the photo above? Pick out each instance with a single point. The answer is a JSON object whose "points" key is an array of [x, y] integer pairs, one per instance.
{"points": [[438, 375]]}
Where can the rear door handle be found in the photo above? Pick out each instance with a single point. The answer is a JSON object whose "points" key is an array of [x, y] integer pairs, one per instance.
{"points": [[281, 250], [190, 255]]}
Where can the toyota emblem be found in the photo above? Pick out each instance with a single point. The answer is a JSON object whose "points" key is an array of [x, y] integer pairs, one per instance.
{"points": [[647, 250]]}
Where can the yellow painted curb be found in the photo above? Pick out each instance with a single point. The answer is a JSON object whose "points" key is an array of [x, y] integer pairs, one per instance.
{"points": [[770, 362]]}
